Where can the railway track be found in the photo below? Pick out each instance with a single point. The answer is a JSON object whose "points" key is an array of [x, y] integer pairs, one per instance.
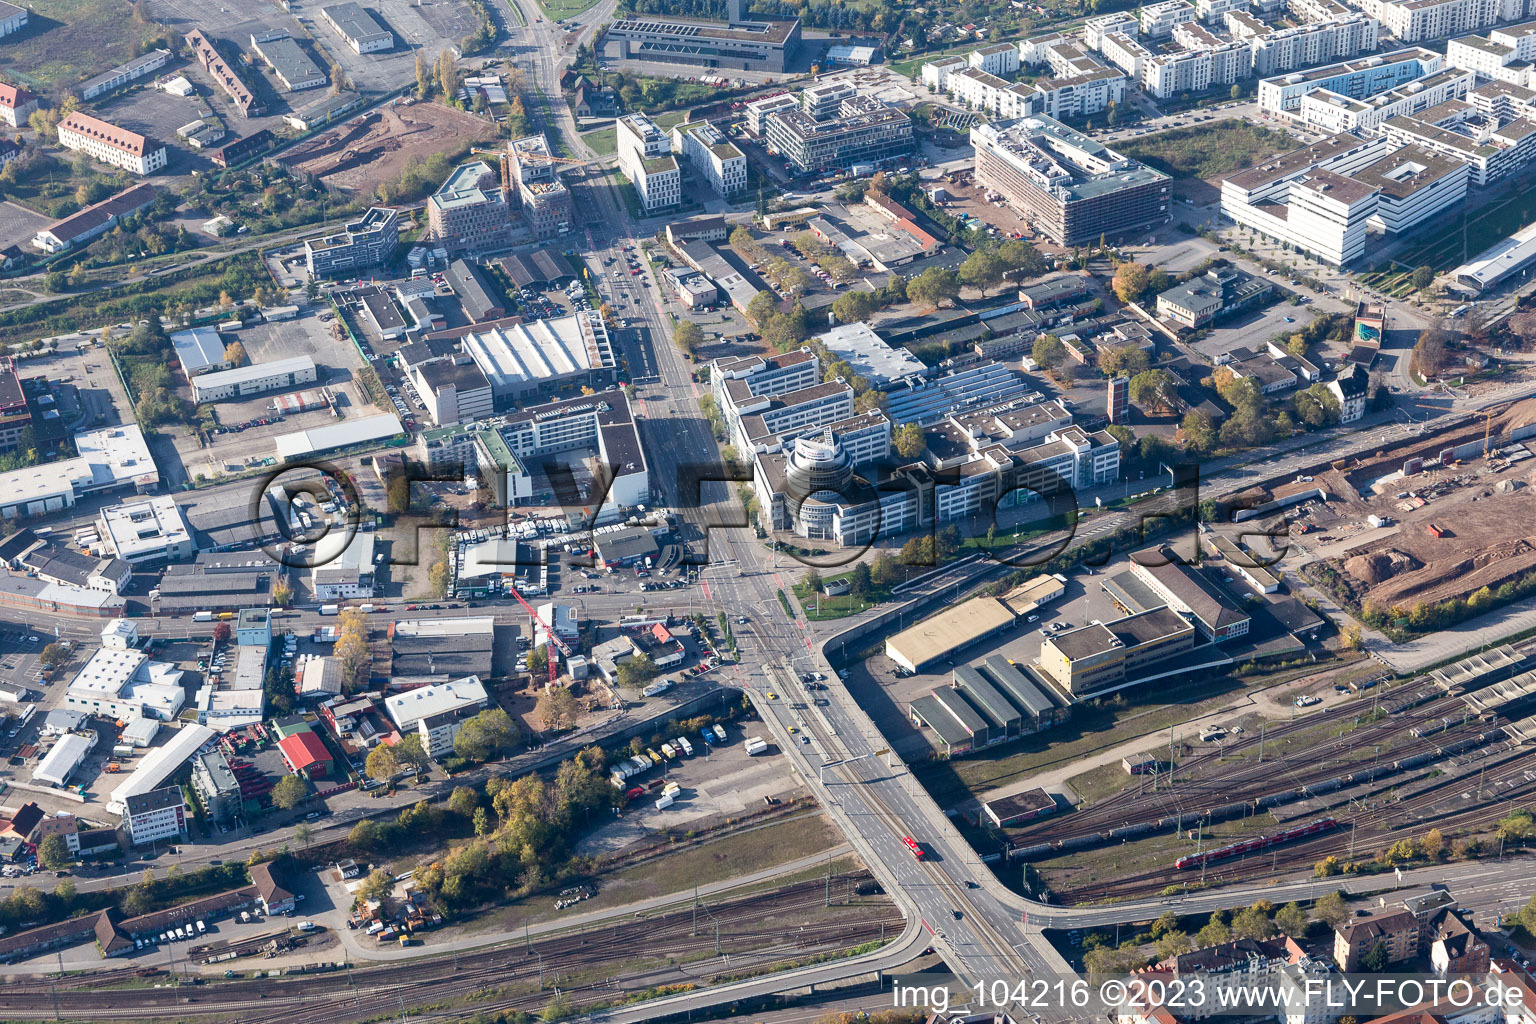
{"points": [[750, 933], [1376, 827]]}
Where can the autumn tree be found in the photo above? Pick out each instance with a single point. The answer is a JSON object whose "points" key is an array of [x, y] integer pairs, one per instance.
{"points": [[687, 336], [448, 74], [382, 764], [538, 660], [557, 708], [1154, 389], [53, 853], [1048, 351], [1331, 909], [982, 270], [55, 654], [221, 632], [423, 77], [934, 287], [1130, 281], [486, 736], [352, 658], [1292, 920]]}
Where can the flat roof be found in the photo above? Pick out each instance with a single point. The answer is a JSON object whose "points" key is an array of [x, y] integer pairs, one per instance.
{"points": [[356, 22], [1499, 260], [299, 443], [1296, 161], [160, 764], [198, 348], [938, 718], [950, 630], [412, 706], [254, 371], [870, 355]]}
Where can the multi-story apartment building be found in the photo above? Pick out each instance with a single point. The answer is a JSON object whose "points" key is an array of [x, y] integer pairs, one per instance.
{"points": [[436, 712], [1356, 79], [544, 199], [997, 59], [215, 786], [1214, 62], [1214, 12], [645, 157], [1158, 20], [14, 416], [1414, 20], [110, 144], [158, 814], [1481, 134], [865, 131], [1125, 52], [1072, 188], [712, 155], [1333, 112], [1280, 50], [470, 212], [1395, 929], [1119, 23], [368, 242], [235, 87]]}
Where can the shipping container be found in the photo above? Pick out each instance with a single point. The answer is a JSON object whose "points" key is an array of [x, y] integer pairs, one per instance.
{"points": [[665, 802], [202, 616], [123, 750]]}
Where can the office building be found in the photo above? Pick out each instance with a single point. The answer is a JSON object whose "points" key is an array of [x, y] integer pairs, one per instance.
{"points": [[1071, 188], [215, 786], [1100, 656], [822, 99], [1213, 294], [435, 712], [745, 376], [865, 131], [714, 157], [110, 144], [645, 157], [153, 530], [1494, 147], [288, 61], [759, 109], [454, 390], [365, 243], [470, 212], [253, 379], [543, 198], [358, 27], [123, 74], [344, 567], [739, 44]]}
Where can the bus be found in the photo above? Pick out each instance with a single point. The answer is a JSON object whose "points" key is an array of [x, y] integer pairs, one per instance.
{"points": [[914, 846]]}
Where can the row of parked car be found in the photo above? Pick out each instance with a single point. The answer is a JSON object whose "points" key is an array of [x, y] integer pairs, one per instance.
{"points": [[180, 934]]}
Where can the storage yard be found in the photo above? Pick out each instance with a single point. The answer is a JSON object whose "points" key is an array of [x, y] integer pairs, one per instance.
{"points": [[365, 152]]}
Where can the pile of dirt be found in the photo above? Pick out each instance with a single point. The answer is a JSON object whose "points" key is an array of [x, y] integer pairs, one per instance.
{"points": [[1380, 566]]}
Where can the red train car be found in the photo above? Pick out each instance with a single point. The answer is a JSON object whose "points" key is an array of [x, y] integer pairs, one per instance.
{"points": [[1312, 828]]}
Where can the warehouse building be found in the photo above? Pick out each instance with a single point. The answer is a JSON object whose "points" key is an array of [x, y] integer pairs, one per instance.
{"points": [[358, 27], [1187, 590], [159, 765], [523, 360], [1019, 808], [302, 443], [253, 379], [199, 350], [61, 761], [952, 738], [437, 650], [1038, 710], [145, 531], [956, 628], [475, 293], [1005, 719], [123, 74], [110, 458], [288, 61]]}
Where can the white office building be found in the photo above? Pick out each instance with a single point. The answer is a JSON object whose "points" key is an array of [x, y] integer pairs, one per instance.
{"points": [[435, 712], [713, 156], [253, 379], [645, 157], [146, 531]]}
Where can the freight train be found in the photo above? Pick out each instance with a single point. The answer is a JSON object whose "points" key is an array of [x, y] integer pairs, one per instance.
{"points": [[1247, 846]]}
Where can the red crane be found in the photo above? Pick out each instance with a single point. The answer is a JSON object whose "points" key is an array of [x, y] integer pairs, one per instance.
{"points": [[554, 638]]}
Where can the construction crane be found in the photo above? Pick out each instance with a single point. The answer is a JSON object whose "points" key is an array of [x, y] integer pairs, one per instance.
{"points": [[554, 638]]}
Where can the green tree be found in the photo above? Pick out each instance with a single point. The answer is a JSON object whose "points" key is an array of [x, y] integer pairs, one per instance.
{"points": [[884, 569], [853, 306], [557, 708], [302, 835], [412, 753], [1021, 259], [934, 287], [1048, 351], [289, 792], [538, 661], [1169, 921], [1199, 432], [982, 270], [53, 853], [687, 336], [54, 655], [1376, 958], [909, 441], [463, 800], [762, 307], [1173, 943], [859, 582], [1154, 389], [1252, 923], [1422, 277], [1292, 920], [398, 494], [1331, 909], [485, 736], [377, 886], [812, 581], [1214, 933], [636, 671]]}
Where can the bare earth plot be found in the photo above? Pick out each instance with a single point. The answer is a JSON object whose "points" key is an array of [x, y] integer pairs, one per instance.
{"points": [[367, 151]]}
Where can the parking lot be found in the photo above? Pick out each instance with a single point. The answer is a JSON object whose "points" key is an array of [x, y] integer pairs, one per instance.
{"points": [[1253, 327], [717, 782], [244, 442]]}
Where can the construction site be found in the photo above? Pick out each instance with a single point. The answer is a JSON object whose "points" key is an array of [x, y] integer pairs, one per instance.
{"points": [[1436, 518], [361, 154]]}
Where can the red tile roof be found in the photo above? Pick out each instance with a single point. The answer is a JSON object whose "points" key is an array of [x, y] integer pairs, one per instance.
{"points": [[111, 134]]}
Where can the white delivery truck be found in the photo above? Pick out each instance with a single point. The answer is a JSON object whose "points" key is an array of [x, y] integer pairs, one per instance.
{"points": [[202, 616], [329, 609], [755, 745]]}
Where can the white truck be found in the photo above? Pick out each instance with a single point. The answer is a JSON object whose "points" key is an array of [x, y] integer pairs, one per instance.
{"points": [[657, 688], [202, 616], [755, 745], [682, 741], [330, 609]]}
